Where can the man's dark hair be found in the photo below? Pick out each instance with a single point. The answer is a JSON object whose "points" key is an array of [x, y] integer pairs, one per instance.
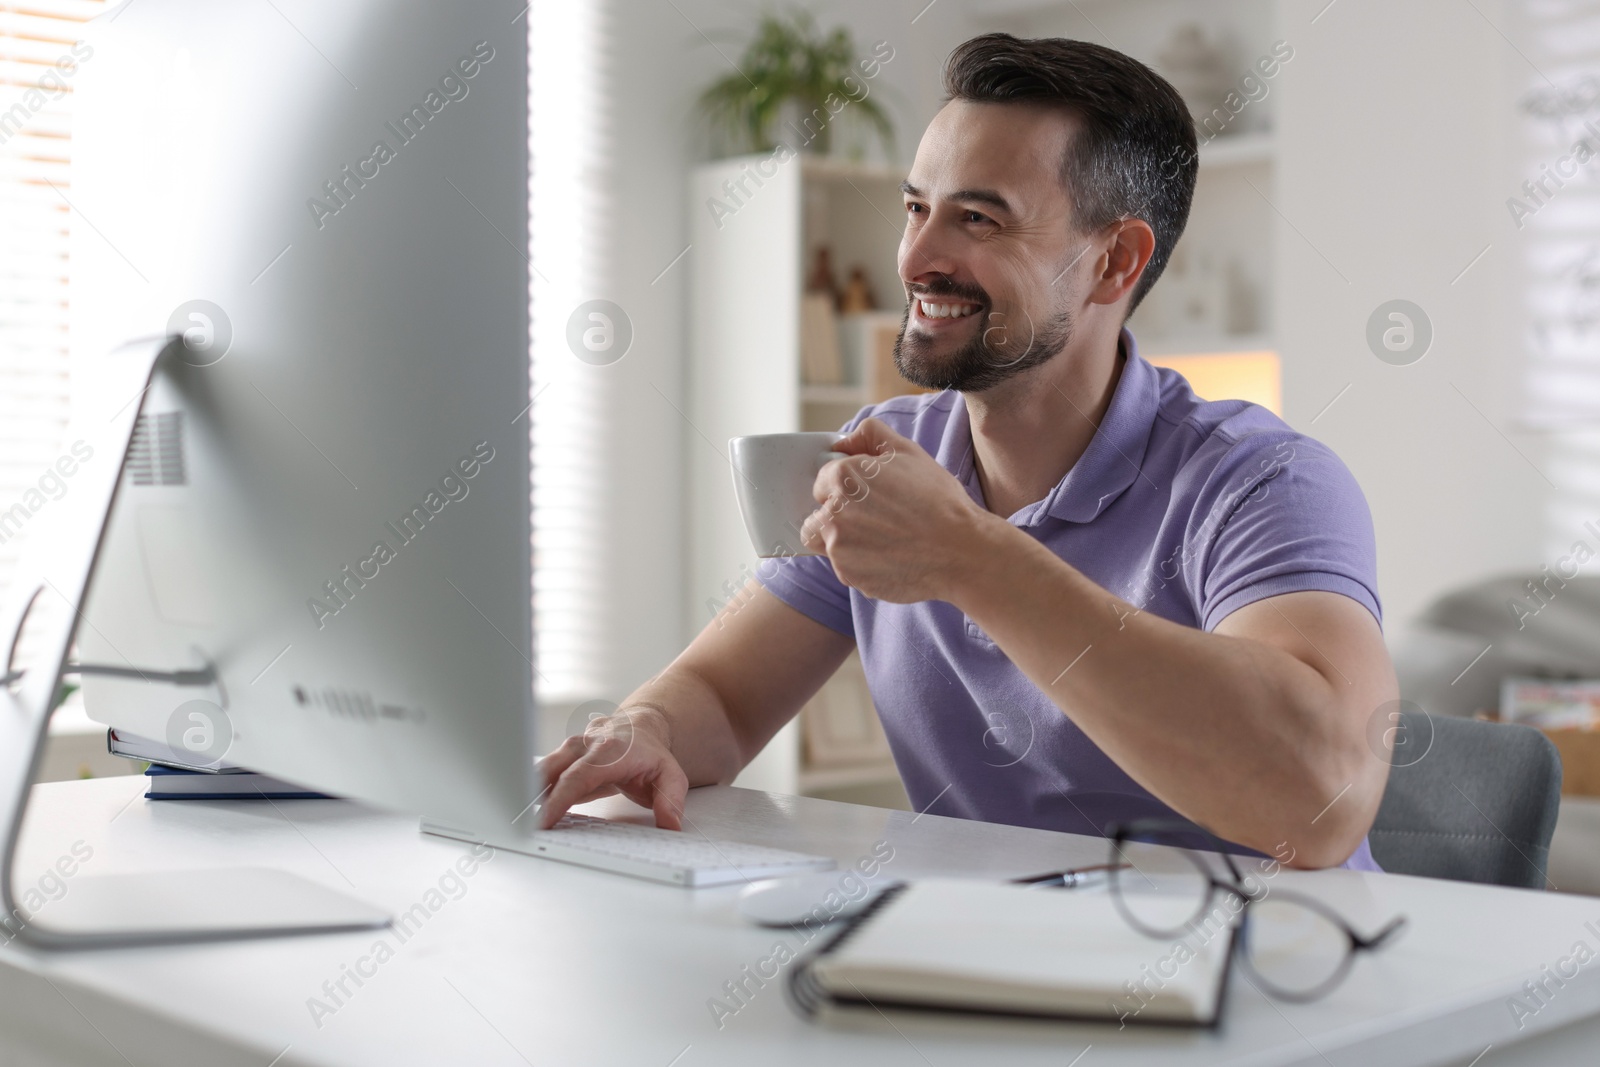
{"points": [[1135, 154]]}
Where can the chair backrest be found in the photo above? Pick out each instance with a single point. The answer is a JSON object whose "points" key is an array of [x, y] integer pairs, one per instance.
{"points": [[1468, 800]]}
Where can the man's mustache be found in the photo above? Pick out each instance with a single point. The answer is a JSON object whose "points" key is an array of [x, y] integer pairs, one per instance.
{"points": [[970, 294]]}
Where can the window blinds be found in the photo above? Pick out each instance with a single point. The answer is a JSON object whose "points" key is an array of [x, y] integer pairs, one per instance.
{"points": [[37, 63], [570, 409], [1556, 216], [39, 57]]}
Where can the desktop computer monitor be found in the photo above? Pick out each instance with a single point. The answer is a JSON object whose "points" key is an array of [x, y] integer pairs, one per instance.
{"points": [[316, 561], [327, 501]]}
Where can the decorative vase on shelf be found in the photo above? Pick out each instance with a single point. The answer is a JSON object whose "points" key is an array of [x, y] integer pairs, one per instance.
{"points": [[820, 280], [857, 296]]}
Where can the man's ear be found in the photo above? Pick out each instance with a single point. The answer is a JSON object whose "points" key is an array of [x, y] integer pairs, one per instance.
{"points": [[1127, 247]]}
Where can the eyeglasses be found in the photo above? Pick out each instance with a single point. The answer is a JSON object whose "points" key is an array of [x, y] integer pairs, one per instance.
{"points": [[1164, 882]]}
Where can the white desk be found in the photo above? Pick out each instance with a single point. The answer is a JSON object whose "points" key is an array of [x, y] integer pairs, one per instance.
{"points": [[537, 962]]}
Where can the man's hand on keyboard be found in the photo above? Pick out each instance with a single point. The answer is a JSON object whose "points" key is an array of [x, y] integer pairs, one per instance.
{"points": [[628, 753]]}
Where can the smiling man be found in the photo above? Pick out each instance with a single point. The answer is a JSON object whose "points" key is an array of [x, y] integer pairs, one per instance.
{"points": [[1081, 594]]}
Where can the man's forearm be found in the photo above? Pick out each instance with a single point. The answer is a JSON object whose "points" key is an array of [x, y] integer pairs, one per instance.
{"points": [[1236, 734], [737, 684]]}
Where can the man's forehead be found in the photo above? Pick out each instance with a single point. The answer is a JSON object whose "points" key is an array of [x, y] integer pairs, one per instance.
{"points": [[971, 145]]}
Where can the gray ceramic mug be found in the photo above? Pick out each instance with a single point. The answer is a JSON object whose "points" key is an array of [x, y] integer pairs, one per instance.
{"points": [[772, 475]]}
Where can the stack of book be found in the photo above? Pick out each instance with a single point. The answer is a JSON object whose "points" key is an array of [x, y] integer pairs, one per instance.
{"points": [[173, 776], [1567, 711]]}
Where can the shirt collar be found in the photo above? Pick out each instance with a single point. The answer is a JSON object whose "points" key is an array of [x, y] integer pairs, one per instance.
{"points": [[1107, 467]]}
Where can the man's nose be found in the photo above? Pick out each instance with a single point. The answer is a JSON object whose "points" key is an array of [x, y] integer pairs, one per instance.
{"points": [[927, 253]]}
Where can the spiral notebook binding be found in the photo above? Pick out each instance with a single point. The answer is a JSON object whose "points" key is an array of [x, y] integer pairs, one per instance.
{"points": [[805, 992]]}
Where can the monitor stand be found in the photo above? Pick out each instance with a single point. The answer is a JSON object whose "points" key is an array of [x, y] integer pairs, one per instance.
{"points": [[106, 911]]}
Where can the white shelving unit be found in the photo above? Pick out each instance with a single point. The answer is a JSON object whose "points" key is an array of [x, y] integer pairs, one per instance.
{"points": [[1240, 150], [832, 395], [1158, 348], [756, 224], [828, 779]]}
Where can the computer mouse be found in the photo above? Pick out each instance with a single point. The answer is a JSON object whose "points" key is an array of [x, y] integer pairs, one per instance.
{"points": [[816, 898]]}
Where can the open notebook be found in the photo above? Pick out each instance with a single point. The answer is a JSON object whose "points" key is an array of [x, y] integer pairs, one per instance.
{"points": [[969, 946]]}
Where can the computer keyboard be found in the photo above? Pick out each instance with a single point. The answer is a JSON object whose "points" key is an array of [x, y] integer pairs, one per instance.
{"points": [[676, 857]]}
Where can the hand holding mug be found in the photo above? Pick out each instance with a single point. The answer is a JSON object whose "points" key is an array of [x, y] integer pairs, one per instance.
{"points": [[895, 524]]}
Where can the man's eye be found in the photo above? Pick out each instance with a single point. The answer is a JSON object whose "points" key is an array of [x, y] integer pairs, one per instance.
{"points": [[913, 209], [974, 216]]}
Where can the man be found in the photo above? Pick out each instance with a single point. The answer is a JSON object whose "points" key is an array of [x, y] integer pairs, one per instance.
{"points": [[1081, 594]]}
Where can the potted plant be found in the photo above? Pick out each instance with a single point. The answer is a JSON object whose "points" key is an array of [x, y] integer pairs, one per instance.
{"points": [[792, 69]]}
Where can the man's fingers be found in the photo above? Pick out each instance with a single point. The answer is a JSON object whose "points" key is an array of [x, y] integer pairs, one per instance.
{"points": [[551, 768], [840, 478], [597, 794], [552, 765], [605, 761], [811, 532], [580, 779], [555, 806], [671, 789], [872, 437]]}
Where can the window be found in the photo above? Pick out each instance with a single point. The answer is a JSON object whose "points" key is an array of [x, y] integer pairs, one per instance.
{"points": [[1556, 212], [39, 56], [37, 64], [570, 161]]}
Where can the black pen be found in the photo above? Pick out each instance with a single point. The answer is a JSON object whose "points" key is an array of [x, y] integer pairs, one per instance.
{"points": [[1075, 878]]}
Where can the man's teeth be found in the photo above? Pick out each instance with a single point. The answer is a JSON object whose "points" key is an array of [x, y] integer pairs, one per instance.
{"points": [[946, 311]]}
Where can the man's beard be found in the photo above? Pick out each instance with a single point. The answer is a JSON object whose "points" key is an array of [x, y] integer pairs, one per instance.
{"points": [[998, 353]]}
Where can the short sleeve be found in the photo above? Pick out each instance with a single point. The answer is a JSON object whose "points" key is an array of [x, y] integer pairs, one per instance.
{"points": [[1280, 513], [808, 585]]}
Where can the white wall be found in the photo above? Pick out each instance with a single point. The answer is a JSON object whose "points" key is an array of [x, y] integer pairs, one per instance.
{"points": [[1395, 120]]}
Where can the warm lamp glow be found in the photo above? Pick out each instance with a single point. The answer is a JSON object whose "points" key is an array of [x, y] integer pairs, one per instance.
{"points": [[1253, 376]]}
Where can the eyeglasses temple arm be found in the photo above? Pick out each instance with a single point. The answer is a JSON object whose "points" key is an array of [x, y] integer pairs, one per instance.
{"points": [[1377, 939]]}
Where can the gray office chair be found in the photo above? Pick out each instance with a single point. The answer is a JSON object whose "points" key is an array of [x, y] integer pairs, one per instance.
{"points": [[1477, 803]]}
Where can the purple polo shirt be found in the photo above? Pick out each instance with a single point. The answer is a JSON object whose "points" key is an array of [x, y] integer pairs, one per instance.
{"points": [[1186, 508]]}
